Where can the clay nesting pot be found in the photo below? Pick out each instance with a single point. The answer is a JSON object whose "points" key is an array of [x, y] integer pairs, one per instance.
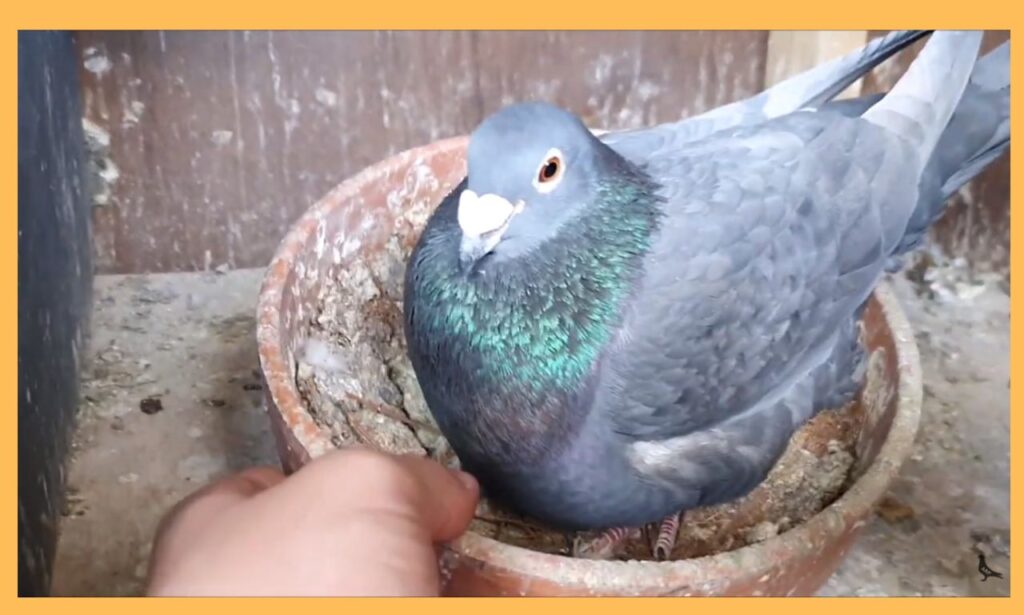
{"points": [[362, 214]]}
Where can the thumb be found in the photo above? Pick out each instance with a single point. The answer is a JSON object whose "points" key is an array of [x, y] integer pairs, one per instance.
{"points": [[445, 499]]}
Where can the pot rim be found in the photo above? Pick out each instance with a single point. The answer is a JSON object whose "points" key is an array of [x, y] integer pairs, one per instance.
{"points": [[751, 561]]}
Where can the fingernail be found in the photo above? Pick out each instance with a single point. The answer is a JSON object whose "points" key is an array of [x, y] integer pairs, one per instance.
{"points": [[467, 480]]}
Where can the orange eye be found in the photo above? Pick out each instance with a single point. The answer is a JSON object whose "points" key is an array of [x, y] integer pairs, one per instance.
{"points": [[550, 170]]}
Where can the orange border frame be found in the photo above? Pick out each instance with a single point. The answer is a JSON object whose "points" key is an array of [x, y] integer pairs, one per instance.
{"points": [[479, 14]]}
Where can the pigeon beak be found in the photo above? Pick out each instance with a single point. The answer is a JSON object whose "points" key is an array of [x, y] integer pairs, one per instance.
{"points": [[484, 220]]}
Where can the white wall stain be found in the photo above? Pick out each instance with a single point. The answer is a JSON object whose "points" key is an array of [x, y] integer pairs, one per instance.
{"points": [[306, 133], [96, 61], [239, 142], [221, 137], [326, 97], [102, 172], [133, 113]]}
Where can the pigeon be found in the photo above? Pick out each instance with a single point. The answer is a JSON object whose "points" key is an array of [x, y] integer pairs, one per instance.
{"points": [[613, 329]]}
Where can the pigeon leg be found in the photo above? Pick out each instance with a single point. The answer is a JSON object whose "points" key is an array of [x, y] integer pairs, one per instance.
{"points": [[607, 545], [666, 541], [610, 542]]}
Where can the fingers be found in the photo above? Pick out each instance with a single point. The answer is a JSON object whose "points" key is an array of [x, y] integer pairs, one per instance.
{"points": [[352, 503], [442, 501], [445, 499], [258, 479]]}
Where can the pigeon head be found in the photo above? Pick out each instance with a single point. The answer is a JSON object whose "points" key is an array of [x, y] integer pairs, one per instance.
{"points": [[533, 167]]}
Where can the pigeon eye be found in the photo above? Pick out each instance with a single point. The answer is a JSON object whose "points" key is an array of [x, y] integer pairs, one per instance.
{"points": [[550, 170], [549, 174]]}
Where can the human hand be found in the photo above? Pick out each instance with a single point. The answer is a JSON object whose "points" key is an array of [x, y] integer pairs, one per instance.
{"points": [[351, 523]]}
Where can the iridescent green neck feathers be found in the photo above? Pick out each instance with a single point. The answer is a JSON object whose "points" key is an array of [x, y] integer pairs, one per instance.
{"points": [[540, 321]]}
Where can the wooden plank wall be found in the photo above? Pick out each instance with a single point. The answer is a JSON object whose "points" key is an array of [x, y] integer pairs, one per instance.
{"points": [[211, 143]]}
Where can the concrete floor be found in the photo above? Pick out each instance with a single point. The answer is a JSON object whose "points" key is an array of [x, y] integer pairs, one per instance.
{"points": [[952, 498], [187, 340], [171, 400]]}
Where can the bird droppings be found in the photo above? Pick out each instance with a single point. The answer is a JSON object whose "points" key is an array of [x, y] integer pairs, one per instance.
{"points": [[326, 97], [96, 61], [221, 137], [151, 405], [102, 172], [96, 138], [133, 112], [894, 511], [357, 382], [74, 504]]}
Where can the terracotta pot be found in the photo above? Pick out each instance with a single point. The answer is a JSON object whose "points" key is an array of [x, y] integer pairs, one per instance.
{"points": [[361, 214]]}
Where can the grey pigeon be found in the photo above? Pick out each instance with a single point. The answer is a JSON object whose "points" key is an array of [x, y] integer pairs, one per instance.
{"points": [[610, 330]]}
